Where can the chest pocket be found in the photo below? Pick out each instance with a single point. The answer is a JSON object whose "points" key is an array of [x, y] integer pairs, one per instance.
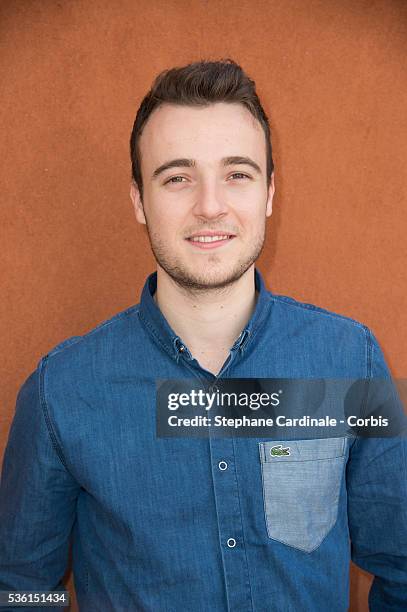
{"points": [[301, 486]]}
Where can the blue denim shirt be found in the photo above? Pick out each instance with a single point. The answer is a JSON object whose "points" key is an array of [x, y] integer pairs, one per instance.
{"points": [[195, 524]]}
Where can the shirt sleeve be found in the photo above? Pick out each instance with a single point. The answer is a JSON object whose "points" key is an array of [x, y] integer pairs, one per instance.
{"points": [[377, 495], [37, 498]]}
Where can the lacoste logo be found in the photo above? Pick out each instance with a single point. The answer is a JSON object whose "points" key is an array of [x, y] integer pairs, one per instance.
{"points": [[279, 451]]}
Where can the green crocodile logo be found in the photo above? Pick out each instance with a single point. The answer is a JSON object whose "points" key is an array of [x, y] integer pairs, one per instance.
{"points": [[279, 451]]}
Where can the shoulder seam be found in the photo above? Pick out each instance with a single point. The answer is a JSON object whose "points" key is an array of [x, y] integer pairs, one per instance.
{"points": [[369, 353], [74, 339], [317, 309], [45, 411]]}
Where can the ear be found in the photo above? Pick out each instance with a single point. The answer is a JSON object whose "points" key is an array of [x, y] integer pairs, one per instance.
{"points": [[137, 203], [269, 205]]}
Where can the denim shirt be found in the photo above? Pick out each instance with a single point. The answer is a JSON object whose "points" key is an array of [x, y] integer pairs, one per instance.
{"points": [[195, 524]]}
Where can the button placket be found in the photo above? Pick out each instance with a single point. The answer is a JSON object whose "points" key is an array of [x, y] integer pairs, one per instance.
{"points": [[229, 518]]}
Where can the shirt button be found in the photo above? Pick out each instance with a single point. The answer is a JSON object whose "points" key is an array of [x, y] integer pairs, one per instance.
{"points": [[222, 465], [213, 389], [231, 542], [182, 348]]}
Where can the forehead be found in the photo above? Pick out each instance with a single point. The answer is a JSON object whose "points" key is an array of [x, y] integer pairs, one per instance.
{"points": [[202, 133]]}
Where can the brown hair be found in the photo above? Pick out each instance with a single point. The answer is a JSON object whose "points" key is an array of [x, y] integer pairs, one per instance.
{"points": [[199, 84]]}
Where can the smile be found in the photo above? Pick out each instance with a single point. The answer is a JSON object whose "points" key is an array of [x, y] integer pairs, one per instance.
{"points": [[210, 242], [208, 238]]}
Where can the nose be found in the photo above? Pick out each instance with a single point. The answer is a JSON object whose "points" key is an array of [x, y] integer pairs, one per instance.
{"points": [[210, 202]]}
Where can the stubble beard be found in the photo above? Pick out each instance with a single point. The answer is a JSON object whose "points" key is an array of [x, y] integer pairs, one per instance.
{"points": [[214, 278]]}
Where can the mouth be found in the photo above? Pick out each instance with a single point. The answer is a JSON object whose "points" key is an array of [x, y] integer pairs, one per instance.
{"points": [[210, 240]]}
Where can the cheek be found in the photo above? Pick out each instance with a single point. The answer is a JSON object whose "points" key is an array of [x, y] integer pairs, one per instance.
{"points": [[251, 214], [248, 201], [164, 223]]}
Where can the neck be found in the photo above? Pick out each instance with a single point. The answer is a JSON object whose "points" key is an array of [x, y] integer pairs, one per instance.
{"points": [[209, 321]]}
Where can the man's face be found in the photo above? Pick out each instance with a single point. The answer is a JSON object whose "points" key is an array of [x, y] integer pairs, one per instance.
{"points": [[212, 195]]}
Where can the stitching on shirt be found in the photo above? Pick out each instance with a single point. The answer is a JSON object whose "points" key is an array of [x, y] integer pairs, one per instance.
{"points": [[151, 329], [405, 464], [54, 440], [261, 448], [317, 309], [369, 370], [286, 300], [241, 515], [259, 324], [86, 577], [369, 353], [74, 339]]}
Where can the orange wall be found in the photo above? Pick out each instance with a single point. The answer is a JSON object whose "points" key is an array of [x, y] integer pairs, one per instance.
{"points": [[332, 76]]}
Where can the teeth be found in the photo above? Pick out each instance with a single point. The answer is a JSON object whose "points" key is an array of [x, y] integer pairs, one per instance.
{"points": [[208, 238]]}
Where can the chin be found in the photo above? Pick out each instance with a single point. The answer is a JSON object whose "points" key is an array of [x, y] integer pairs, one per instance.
{"points": [[209, 271], [206, 277]]}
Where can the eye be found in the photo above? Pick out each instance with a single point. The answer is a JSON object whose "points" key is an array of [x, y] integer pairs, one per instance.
{"points": [[240, 174], [173, 179]]}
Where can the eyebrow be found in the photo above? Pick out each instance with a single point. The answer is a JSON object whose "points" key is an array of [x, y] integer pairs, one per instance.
{"points": [[190, 163]]}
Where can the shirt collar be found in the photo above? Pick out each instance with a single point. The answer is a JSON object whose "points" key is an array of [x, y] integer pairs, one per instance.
{"points": [[158, 326]]}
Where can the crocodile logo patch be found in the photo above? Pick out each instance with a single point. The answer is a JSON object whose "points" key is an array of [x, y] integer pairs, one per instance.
{"points": [[279, 451]]}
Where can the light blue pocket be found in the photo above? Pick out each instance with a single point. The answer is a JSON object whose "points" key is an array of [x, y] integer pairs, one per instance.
{"points": [[301, 486]]}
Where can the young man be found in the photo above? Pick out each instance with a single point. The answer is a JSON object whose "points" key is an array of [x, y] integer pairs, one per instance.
{"points": [[199, 524]]}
